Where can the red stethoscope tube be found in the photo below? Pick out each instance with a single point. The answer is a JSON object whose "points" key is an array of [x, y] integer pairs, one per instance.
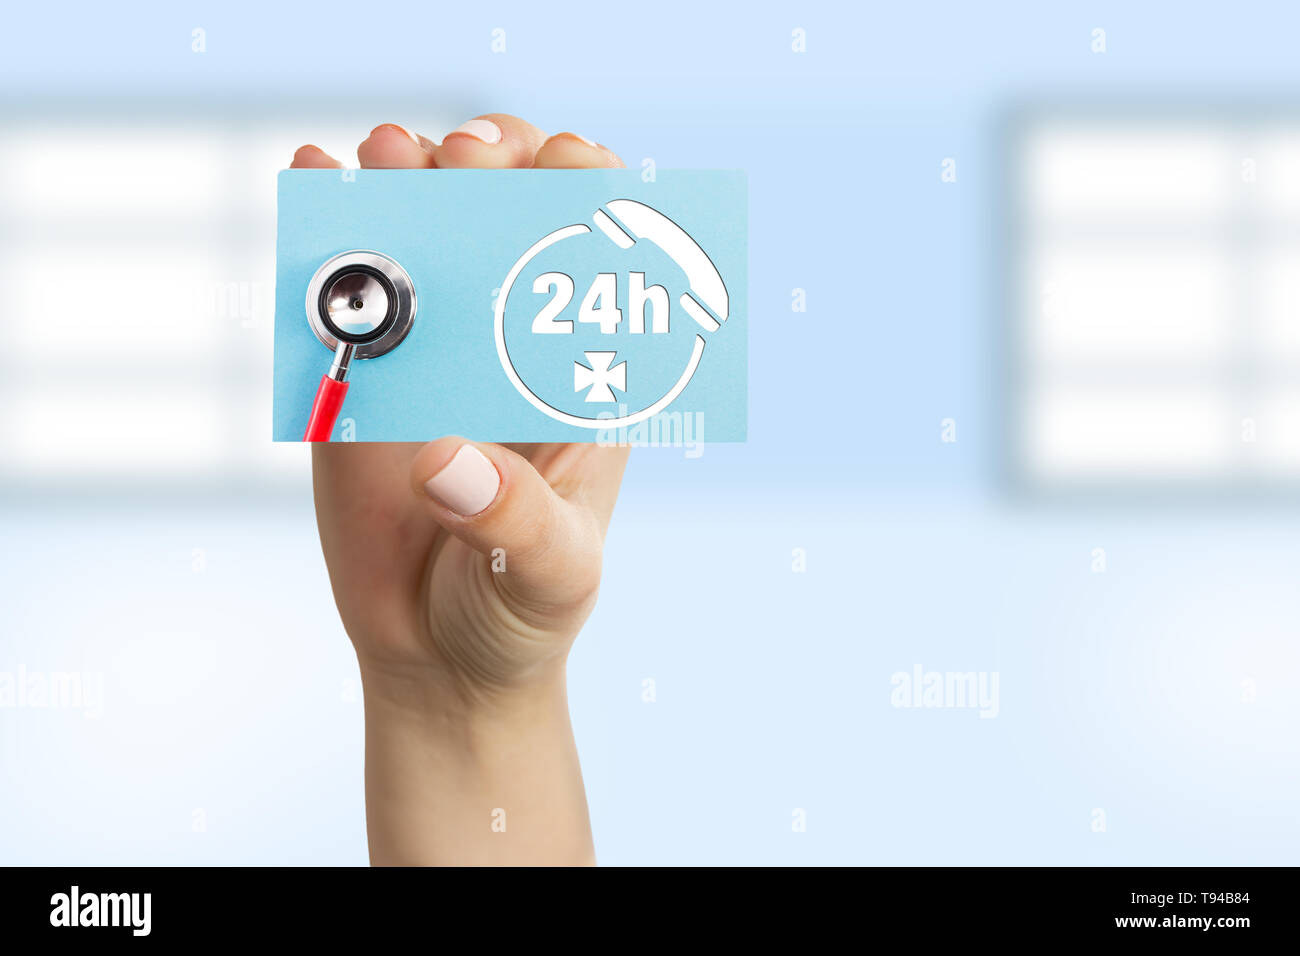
{"points": [[325, 409], [330, 393]]}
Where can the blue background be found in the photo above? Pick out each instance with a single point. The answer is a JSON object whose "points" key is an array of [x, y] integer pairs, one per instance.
{"points": [[234, 690]]}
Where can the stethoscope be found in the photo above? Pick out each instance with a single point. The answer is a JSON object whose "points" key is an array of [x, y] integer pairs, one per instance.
{"points": [[360, 305]]}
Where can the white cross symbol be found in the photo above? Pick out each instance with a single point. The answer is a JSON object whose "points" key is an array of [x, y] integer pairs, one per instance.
{"points": [[599, 376]]}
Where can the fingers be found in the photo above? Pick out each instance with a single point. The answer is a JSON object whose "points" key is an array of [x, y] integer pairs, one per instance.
{"points": [[313, 157], [571, 151], [492, 141], [603, 471], [585, 474], [496, 502], [390, 146]]}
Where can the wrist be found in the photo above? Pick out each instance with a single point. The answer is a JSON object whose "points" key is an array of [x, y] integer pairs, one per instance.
{"points": [[443, 708], [491, 778]]}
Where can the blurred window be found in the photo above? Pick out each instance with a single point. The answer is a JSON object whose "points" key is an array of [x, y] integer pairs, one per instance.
{"points": [[139, 255], [1155, 302]]}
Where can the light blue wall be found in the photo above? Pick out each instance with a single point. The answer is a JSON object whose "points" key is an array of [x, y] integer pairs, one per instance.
{"points": [[228, 688]]}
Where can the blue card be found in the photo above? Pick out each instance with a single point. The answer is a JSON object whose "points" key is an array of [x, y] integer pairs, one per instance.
{"points": [[511, 305]]}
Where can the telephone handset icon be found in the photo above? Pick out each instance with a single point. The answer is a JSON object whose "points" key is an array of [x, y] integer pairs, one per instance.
{"points": [[638, 221]]}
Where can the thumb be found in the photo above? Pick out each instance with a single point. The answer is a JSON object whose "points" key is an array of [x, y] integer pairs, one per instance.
{"points": [[493, 498]]}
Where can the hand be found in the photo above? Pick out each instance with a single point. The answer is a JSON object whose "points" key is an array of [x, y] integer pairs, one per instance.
{"points": [[463, 572]]}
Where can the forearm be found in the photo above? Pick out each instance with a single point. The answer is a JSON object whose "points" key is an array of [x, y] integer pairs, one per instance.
{"points": [[447, 784]]}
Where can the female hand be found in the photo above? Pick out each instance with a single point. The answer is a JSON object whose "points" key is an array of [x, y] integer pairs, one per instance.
{"points": [[463, 572]]}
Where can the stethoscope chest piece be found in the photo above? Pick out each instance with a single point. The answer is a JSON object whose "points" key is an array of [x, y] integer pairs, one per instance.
{"points": [[360, 305], [362, 298]]}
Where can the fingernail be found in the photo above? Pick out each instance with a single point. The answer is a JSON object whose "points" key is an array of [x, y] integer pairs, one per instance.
{"points": [[400, 129], [483, 130], [467, 484], [581, 138]]}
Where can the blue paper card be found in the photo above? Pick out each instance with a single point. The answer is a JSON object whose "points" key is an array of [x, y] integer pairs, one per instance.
{"points": [[549, 305]]}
